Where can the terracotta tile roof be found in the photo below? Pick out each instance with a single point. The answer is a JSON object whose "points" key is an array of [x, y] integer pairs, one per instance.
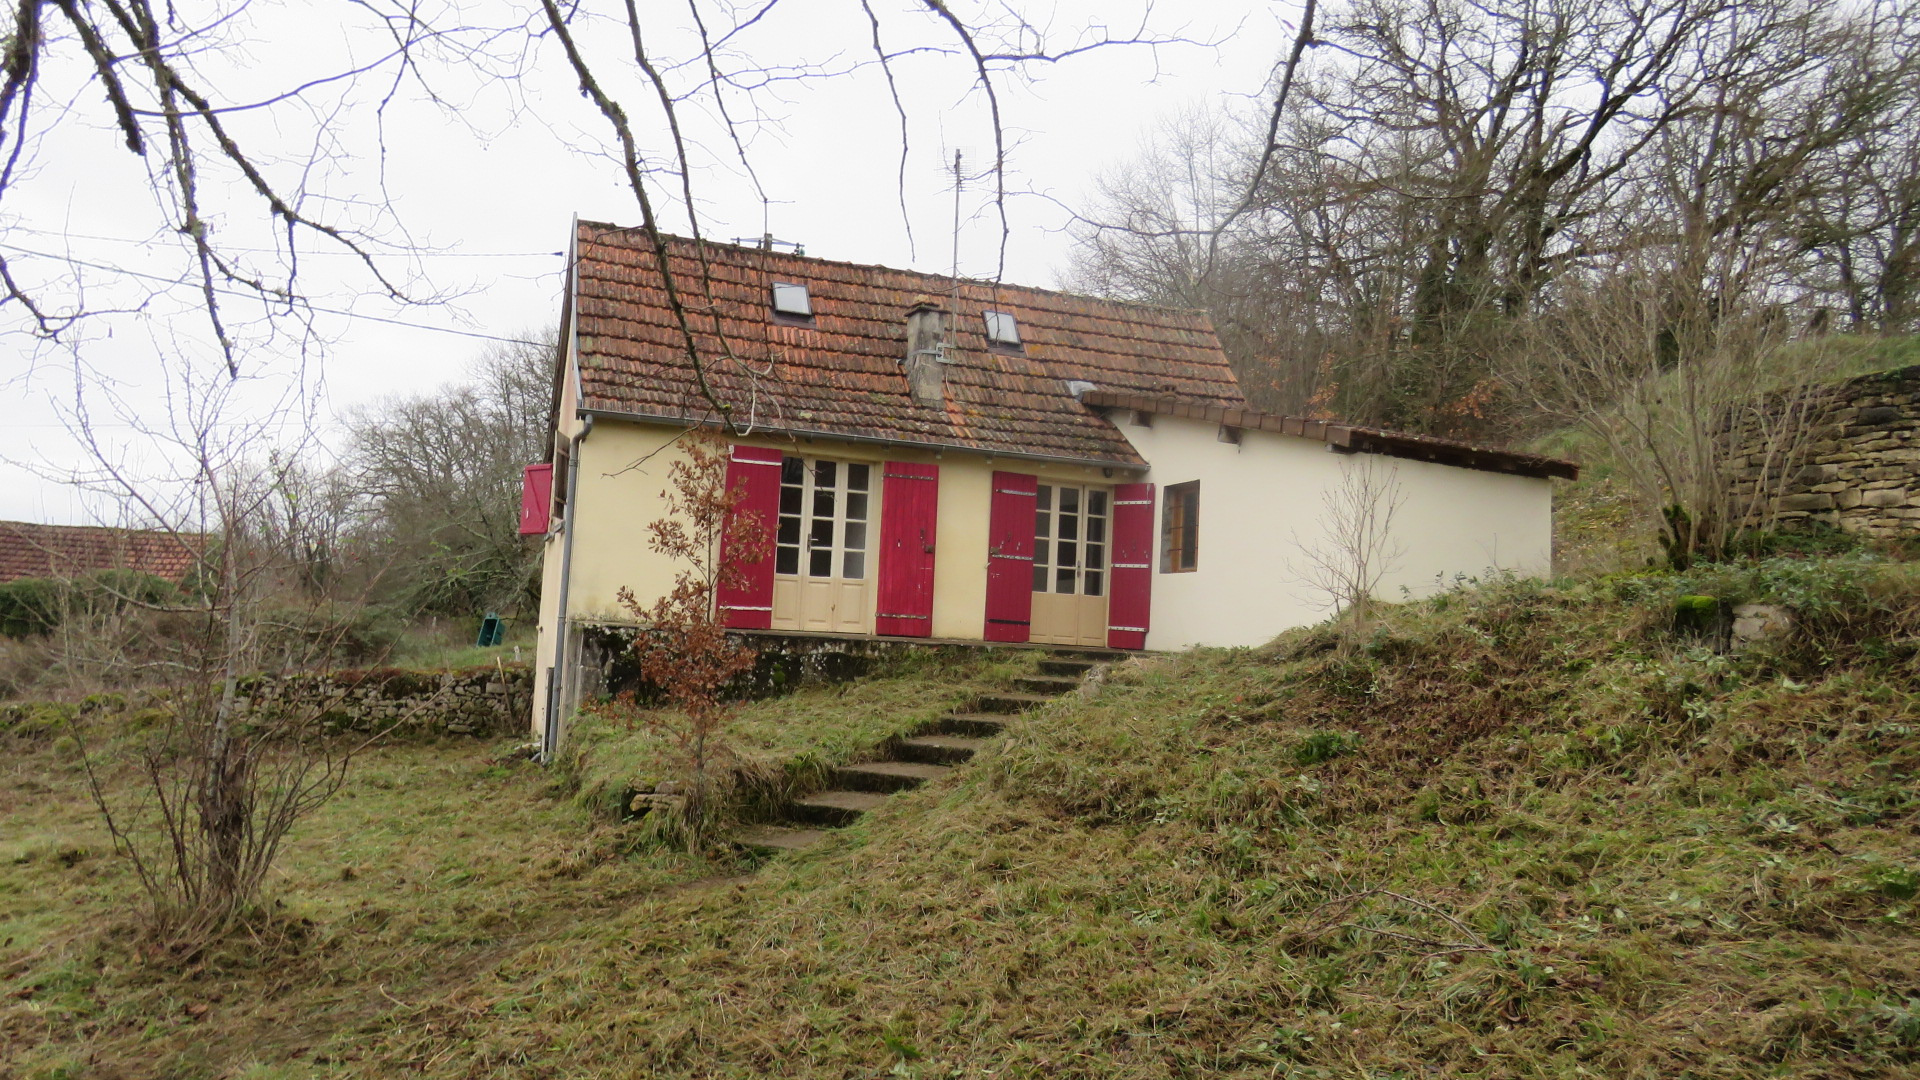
{"points": [[1348, 437], [841, 372], [29, 550]]}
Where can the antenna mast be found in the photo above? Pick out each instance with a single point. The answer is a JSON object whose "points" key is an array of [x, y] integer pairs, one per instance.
{"points": [[958, 178]]}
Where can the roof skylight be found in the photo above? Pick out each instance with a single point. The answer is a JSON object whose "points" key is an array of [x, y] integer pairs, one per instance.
{"points": [[1002, 329], [789, 299]]}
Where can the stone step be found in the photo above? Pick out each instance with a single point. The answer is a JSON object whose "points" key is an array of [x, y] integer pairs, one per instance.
{"points": [[978, 724], [939, 749], [1047, 685], [889, 776], [777, 838], [1098, 656], [832, 808], [1066, 669], [1010, 703]]}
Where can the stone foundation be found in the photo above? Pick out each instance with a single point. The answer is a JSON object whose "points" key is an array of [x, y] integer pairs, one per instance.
{"points": [[487, 701]]}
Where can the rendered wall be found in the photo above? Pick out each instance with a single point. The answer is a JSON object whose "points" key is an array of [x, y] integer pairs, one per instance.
{"points": [[1263, 506]]}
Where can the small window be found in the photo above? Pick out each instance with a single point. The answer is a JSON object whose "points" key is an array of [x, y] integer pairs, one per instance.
{"points": [[1002, 329], [1180, 529], [792, 300]]}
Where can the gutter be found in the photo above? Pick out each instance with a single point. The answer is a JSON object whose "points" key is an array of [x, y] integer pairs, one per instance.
{"points": [[1052, 459], [557, 680]]}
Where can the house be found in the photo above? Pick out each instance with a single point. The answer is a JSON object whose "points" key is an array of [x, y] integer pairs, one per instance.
{"points": [[967, 461]]}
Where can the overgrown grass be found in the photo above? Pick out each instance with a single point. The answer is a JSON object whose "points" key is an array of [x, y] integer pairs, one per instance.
{"points": [[788, 743], [1521, 831]]}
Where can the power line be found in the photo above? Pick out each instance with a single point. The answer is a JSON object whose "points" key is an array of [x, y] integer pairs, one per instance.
{"points": [[305, 306], [309, 254]]}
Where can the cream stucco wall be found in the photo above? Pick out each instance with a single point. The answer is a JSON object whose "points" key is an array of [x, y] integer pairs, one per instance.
{"points": [[1263, 507], [1261, 502]]}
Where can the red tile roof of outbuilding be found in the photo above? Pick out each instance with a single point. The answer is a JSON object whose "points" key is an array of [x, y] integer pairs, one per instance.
{"points": [[841, 373], [30, 550]]}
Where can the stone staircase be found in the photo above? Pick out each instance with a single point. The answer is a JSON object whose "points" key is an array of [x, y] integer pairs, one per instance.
{"points": [[943, 746]]}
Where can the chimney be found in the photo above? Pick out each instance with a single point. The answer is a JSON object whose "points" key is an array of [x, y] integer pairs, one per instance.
{"points": [[926, 352]]}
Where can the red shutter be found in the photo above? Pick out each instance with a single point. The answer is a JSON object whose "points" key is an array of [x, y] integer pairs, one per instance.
{"points": [[536, 498], [1010, 557], [1129, 600], [745, 597], [909, 501]]}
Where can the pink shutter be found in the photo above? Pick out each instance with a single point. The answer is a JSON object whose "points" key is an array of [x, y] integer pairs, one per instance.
{"points": [[1010, 557], [536, 498], [1129, 598], [745, 596], [909, 503]]}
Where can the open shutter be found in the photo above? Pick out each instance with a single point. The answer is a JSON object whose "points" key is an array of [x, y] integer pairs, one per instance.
{"points": [[909, 501], [745, 595], [1010, 557], [536, 498], [1129, 600]]}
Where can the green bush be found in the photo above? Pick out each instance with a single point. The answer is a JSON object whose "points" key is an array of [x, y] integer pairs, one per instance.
{"points": [[30, 606]]}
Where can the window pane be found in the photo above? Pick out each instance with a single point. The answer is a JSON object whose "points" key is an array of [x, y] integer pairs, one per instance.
{"points": [[1096, 557], [1069, 526], [786, 560], [1063, 579], [856, 507], [1067, 554], [1040, 574], [825, 473], [856, 536], [823, 502], [820, 563], [791, 470], [1097, 502], [854, 565], [1093, 580], [790, 500], [1043, 498], [1096, 530], [1043, 525], [1069, 500], [789, 532], [856, 478], [822, 534]]}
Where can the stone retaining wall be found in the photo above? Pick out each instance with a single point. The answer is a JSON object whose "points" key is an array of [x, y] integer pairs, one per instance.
{"points": [[488, 701], [1860, 466]]}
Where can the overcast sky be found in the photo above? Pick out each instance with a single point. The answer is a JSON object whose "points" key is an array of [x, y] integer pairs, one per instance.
{"points": [[487, 173]]}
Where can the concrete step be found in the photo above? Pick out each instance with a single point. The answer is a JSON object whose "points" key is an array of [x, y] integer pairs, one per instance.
{"points": [[1066, 669], [1098, 656], [1047, 685], [833, 808], [977, 724], [889, 776], [773, 839], [939, 749], [1010, 703]]}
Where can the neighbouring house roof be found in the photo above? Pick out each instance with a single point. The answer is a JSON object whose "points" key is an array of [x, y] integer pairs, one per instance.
{"points": [[28, 550], [1346, 437], [840, 373]]}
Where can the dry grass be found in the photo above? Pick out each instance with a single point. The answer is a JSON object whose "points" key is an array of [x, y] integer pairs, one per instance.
{"points": [[1523, 832]]}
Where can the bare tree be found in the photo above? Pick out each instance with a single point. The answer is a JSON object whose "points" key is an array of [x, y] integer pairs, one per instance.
{"points": [[1356, 548]]}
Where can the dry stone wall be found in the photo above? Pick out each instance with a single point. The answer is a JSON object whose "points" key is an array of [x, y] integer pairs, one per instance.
{"points": [[489, 701], [1860, 467]]}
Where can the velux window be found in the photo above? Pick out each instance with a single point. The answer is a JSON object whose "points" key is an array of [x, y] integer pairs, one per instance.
{"points": [[792, 300], [1180, 529], [1002, 330]]}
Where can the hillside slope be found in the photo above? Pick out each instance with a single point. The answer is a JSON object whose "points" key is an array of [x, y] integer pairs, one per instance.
{"points": [[1523, 831], [1519, 831]]}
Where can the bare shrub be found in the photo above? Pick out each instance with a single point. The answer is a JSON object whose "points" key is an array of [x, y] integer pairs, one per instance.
{"points": [[682, 647], [1357, 549]]}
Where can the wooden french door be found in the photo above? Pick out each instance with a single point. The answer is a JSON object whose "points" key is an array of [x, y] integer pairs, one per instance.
{"points": [[821, 578], [1070, 528]]}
